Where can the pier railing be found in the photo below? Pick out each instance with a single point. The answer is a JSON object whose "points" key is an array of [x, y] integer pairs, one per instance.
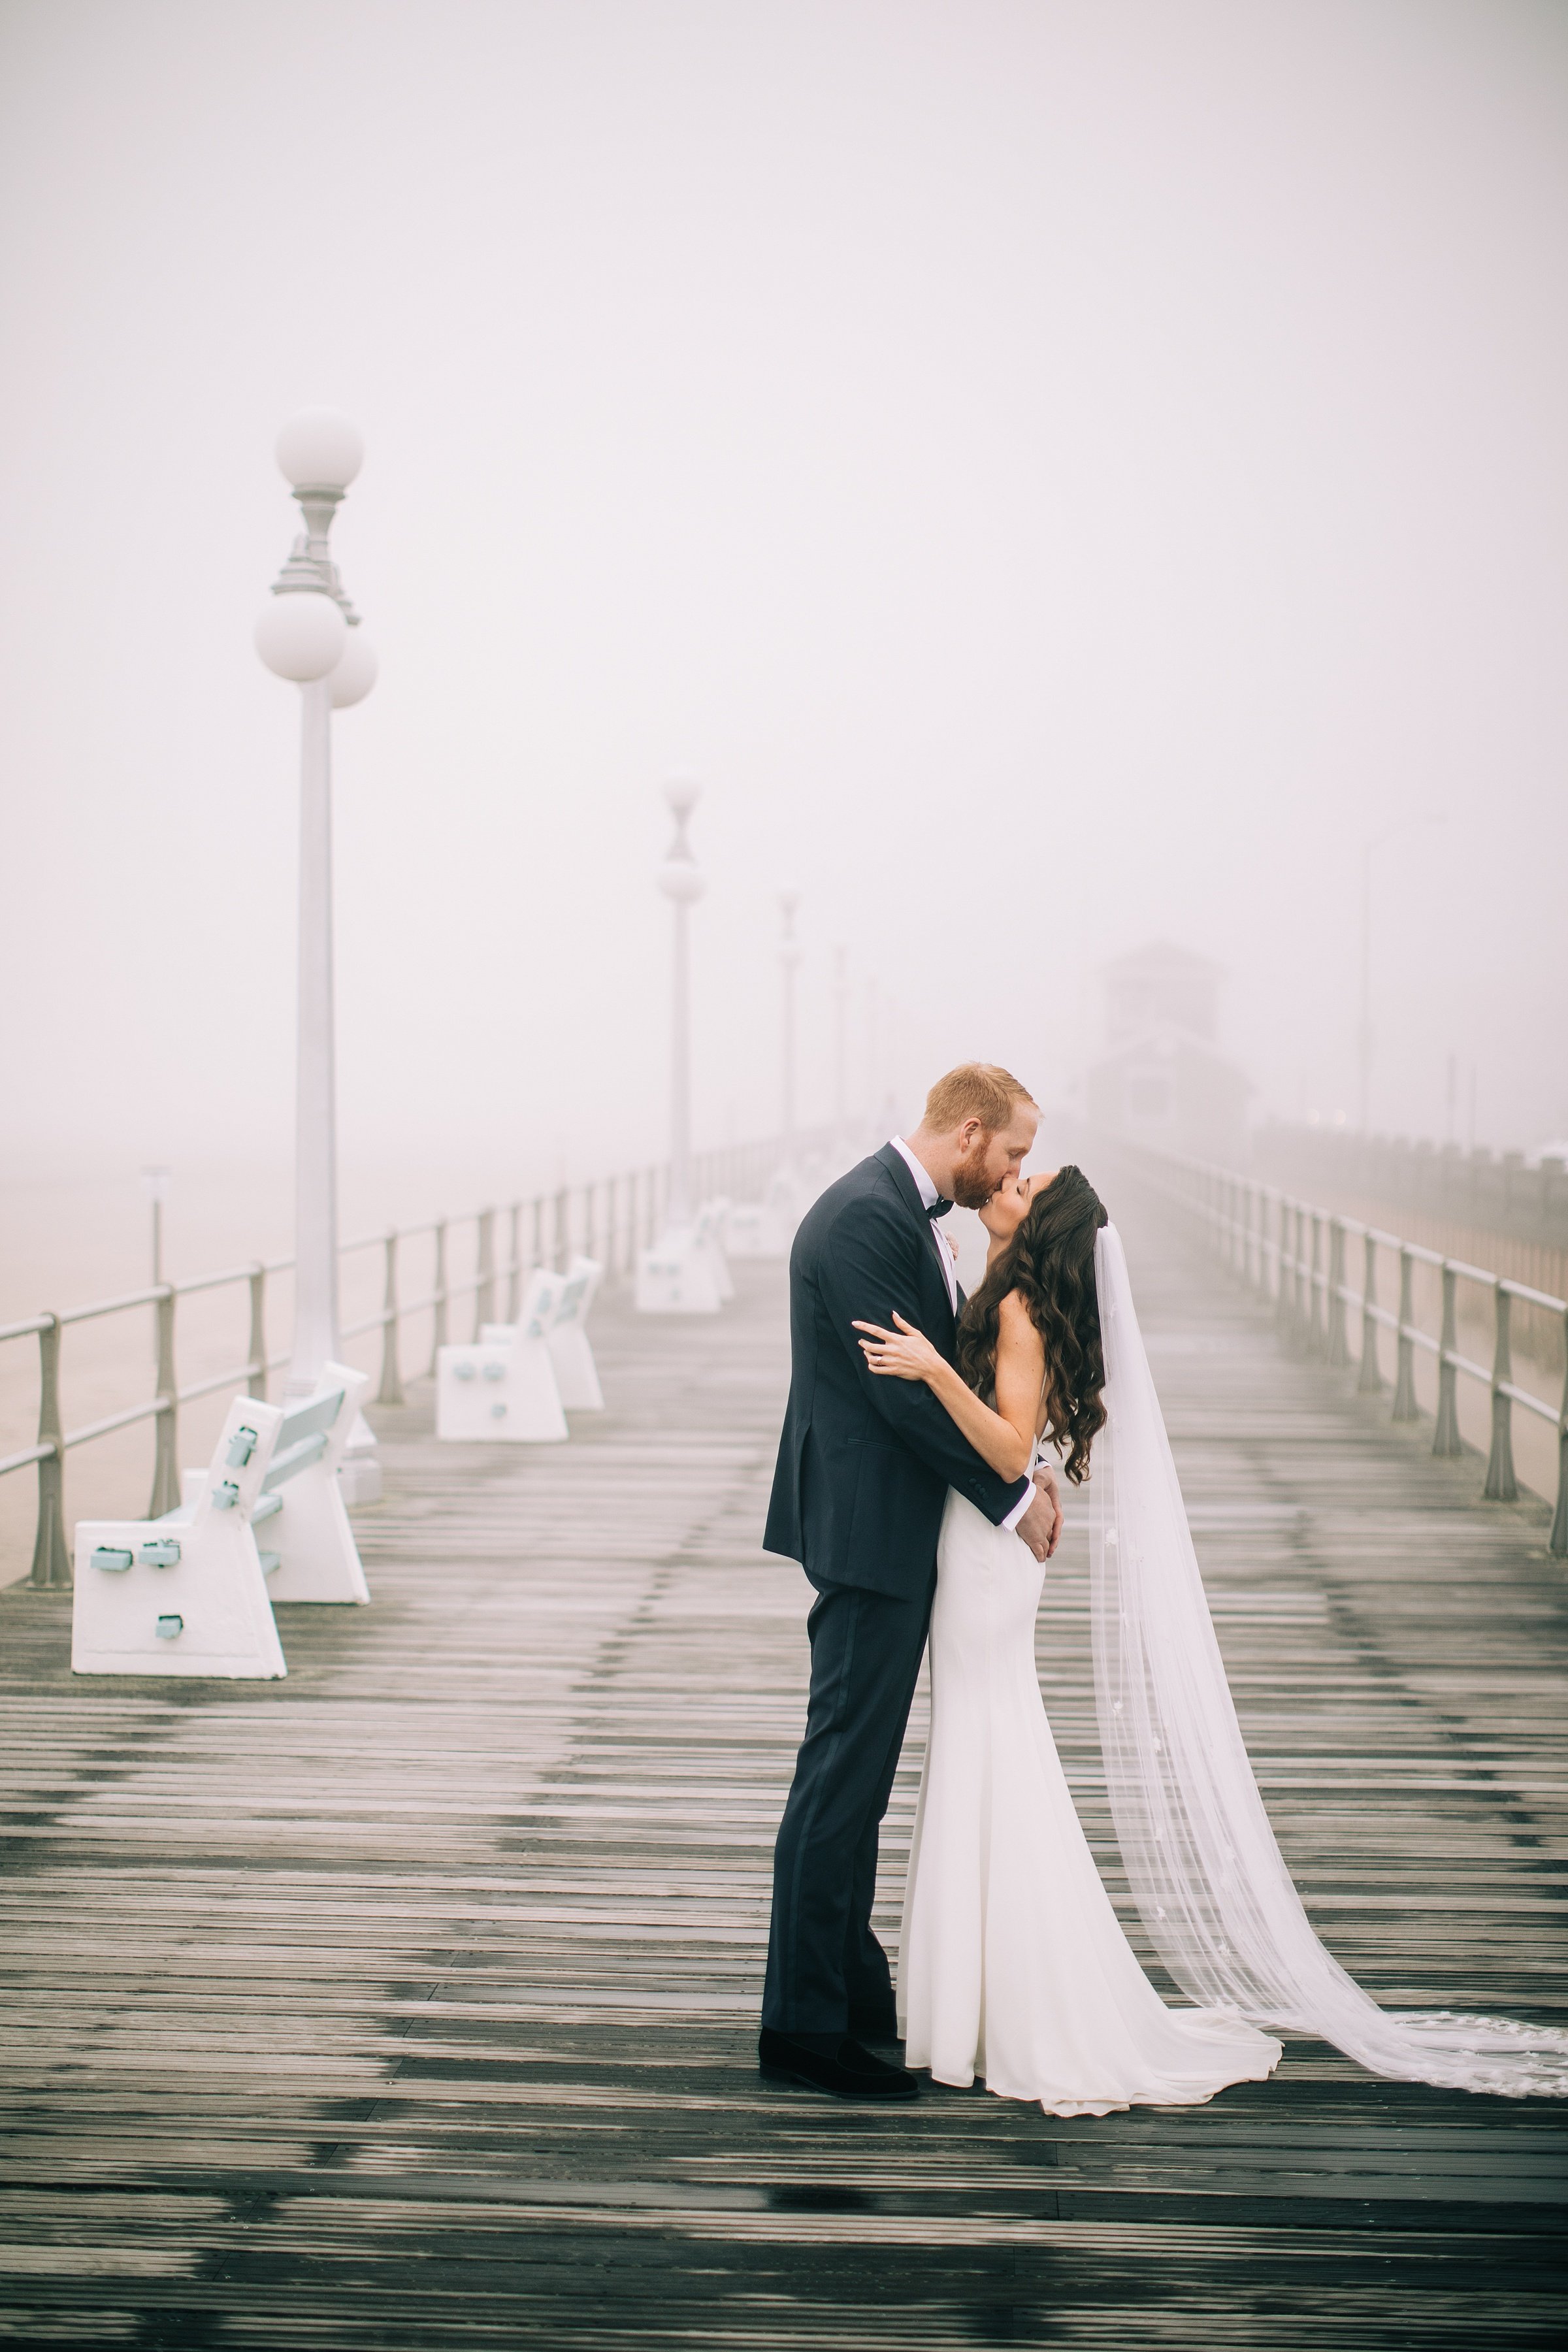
{"points": [[609, 1217], [1320, 1269]]}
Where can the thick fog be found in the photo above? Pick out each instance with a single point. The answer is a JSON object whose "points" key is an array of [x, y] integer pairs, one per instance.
{"points": [[1058, 476]]}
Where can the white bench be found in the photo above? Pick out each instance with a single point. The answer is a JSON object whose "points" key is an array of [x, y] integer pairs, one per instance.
{"points": [[310, 1550], [678, 1275], [186, 1594], [560, 1306], [192, 1593], [505, 1388], [766, 1228], [712, 1221]]}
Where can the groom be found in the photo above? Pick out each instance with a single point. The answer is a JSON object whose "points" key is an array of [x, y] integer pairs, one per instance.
{"points": [[863, 1472]]}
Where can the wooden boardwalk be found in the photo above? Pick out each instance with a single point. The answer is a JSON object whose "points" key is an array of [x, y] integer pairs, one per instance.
{"points": [[411, 2002]]}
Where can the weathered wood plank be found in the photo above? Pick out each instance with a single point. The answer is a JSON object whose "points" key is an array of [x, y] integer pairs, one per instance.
{"points": [[410, 2001]]}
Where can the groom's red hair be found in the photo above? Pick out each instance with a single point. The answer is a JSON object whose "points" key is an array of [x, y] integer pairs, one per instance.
{"points": [[981, 1091]]}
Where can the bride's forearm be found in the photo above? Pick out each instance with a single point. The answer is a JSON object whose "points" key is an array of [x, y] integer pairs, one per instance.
{"points": [[996, 1442]]}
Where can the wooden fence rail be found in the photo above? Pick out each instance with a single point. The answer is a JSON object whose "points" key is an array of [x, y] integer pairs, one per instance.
{"points": [[608, 1217], [1298, 1255]]}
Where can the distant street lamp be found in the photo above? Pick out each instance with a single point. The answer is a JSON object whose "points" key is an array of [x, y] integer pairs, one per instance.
{"points": [[310, 633], [683, 882], [683, 1272], [840, 1039], [155, 1191], [789, 960]]}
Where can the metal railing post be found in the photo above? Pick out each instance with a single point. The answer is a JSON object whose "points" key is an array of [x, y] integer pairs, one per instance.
{"points": [[1339, 1348], [166, 1421], [562, 1249], [1557, 1542], [391, 1388], [536, 1247], [485, 1272], [1282, 1270], [1405, 1405], [1445, 1439], [51, 1558], [1369, 1382], [438, 1293], [1501, 1486], [256, 1384], [514, 1265], [1317, 1336]]}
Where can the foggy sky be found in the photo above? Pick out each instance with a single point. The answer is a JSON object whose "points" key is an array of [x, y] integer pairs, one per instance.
{"points": [[1058, 475]]}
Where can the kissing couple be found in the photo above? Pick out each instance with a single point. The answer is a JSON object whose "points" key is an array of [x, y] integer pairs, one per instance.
{"points": [[914, 1486]]}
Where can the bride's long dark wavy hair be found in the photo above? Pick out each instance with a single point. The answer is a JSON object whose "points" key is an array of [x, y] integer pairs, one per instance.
{"points": [[1049, 1262]]}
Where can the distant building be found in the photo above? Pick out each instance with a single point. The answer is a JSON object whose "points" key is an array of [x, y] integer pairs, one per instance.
{"points": [[1162, 1079]]}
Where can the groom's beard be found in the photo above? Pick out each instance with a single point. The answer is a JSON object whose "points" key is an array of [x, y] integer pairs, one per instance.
{"points": [[972, 1188]]}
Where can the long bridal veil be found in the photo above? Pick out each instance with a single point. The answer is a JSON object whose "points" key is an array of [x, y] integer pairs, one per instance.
{"points": [[1217, 1898]]}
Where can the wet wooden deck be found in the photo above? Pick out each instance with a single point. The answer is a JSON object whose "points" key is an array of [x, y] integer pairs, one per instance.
{"points": [[410, 2003]]}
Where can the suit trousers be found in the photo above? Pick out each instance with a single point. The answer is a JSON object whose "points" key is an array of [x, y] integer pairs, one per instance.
{"points": [[866, 1650]]}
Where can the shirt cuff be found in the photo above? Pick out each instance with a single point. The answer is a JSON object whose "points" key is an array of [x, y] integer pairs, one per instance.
{"points": [[1019, 1507]]}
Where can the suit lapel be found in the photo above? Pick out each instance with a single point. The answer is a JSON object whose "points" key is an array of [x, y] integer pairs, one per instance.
{"points": [[931, 1240]]}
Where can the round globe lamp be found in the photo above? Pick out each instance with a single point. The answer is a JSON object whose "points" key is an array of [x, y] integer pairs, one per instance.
{"points": [[355, 673], [320, 450], [302, 636], [682, 879]]}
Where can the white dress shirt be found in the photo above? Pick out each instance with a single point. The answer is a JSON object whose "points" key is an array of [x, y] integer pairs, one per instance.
{"points": [[929, 1197], [929, 1194]]}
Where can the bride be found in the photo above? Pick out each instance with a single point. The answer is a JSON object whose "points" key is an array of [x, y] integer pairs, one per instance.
{"points": [[1013, 1965]]}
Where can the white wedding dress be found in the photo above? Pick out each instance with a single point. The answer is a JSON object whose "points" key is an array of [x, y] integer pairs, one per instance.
{"points": [[1013, 1965]]}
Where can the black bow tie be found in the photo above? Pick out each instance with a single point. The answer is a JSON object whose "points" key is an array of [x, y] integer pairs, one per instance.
{"points": [[938, 1207]]}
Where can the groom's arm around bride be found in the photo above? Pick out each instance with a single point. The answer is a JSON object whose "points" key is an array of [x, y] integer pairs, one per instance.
{"points": [[865, 1465]]}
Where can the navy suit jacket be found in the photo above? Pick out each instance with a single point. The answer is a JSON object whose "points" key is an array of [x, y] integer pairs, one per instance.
{"points": [[866, 1460]]}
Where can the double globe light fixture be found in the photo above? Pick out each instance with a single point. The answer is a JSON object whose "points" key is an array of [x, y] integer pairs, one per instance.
{"points": [[308, 629]]}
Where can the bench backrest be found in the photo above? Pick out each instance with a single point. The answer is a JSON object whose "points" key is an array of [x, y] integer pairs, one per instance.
{"points": [[304, 1437], [576, 1293], [536, 1313]]}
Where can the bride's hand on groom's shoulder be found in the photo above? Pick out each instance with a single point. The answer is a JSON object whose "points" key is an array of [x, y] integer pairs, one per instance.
{"points": [[905, 1354]]}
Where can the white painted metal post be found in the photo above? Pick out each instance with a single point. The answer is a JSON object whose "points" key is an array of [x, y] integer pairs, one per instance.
{"points": [[316, 1333], [680, 1067], [789, 960], [309, 633], [682, 881], [682, 1272]]}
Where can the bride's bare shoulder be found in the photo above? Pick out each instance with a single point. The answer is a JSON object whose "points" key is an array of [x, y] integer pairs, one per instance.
{"points": [[1014, 1323]]}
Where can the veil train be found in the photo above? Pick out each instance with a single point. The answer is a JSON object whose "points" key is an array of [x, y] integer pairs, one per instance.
{"points": [[1215, 1896]]}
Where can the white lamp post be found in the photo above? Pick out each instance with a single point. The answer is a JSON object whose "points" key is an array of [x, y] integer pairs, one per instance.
{"points": [[683, 1272], [155, 1191], [789, 959], [683, 882], [840, 1044], [309, 633]]}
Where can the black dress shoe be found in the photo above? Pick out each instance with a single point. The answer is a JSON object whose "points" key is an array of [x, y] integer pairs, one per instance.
{"points": [[848, 2073], [867, 2024]]}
